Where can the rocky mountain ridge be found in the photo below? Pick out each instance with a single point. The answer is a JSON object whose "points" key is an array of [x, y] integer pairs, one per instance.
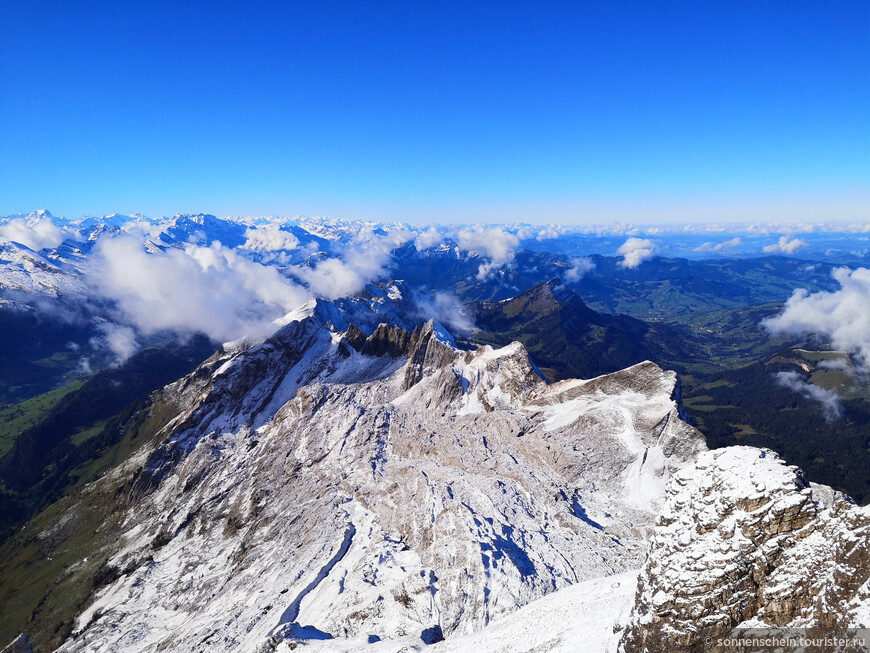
{"points": [[350, 484], [336, 484]]}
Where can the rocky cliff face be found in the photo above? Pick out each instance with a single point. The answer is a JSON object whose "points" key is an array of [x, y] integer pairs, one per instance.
{"points": [[333, 484], [744, 540]]}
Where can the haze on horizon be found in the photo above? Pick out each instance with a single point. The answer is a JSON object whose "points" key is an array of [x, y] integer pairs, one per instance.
{"points": [[572, 113]]}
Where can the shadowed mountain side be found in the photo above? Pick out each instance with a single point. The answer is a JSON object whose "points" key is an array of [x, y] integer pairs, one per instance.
{"points": [[48, 458], [569, 339]]}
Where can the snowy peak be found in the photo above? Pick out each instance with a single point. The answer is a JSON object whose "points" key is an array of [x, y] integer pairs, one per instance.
{"points": [[203, 228], [497, 378]]}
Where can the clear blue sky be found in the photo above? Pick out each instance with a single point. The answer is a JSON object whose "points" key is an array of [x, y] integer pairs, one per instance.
{"points": [[574, 112]]}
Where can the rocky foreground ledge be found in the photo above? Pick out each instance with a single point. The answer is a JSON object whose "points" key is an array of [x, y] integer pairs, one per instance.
{"points": [[745, 540]]}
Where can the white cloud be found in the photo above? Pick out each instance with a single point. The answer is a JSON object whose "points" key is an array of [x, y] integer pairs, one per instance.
{"points": [[36, 233], [830, 402], [579, 267], [785, 246], [635, 251], [144, 229], [331, 278], [719, 247], [840, 364], [548, 233], [428, 238], [365, 259], [270, 238], [119, 339], [842, 315], [494, 243], [446, 309], [213, 290], [84, 366]]}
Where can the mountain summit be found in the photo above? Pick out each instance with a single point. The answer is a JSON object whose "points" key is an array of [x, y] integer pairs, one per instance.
{"points": [[570, 339]]}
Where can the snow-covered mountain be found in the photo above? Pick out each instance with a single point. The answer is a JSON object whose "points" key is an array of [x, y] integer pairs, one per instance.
{"points": [[360, 481], [182, 229], [336, 483], [39, 273], [356, 482], [42, 255]]}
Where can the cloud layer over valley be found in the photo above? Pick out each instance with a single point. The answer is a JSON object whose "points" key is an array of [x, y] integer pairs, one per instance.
{"points": [[212, 290], [130, 276], [36, 233], [843, 316]]}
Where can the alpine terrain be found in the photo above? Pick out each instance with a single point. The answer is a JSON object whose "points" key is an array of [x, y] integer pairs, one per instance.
{"points": [[359, 482]]}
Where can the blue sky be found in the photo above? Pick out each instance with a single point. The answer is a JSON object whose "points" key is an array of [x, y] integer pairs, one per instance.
{"points": [[576, 112]]}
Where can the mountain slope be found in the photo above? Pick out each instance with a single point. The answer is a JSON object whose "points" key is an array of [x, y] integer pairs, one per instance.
{"points": [[562, 333], [344, 487], [51, 455], [332, 484]]}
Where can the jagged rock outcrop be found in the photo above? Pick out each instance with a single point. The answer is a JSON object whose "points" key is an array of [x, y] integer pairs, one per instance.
{"points": [[745, 540], [329, 485]]}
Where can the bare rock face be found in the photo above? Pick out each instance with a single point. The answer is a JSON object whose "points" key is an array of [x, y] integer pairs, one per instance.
{"points": [[333, 484], [744, 540]]}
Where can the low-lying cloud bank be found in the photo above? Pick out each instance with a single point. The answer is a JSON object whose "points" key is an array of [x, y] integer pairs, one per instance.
{"points": [[447, 309], [428, 239], [579, 267], [39, 233], [832, 409], [366, 258], [843, 316], [219, 291], [270, 238], [213, 290], [719, 247], [785, 246], [635, 251]]}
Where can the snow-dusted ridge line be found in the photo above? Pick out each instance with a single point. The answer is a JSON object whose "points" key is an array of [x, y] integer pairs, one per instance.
{"points": [[464, 492]]}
